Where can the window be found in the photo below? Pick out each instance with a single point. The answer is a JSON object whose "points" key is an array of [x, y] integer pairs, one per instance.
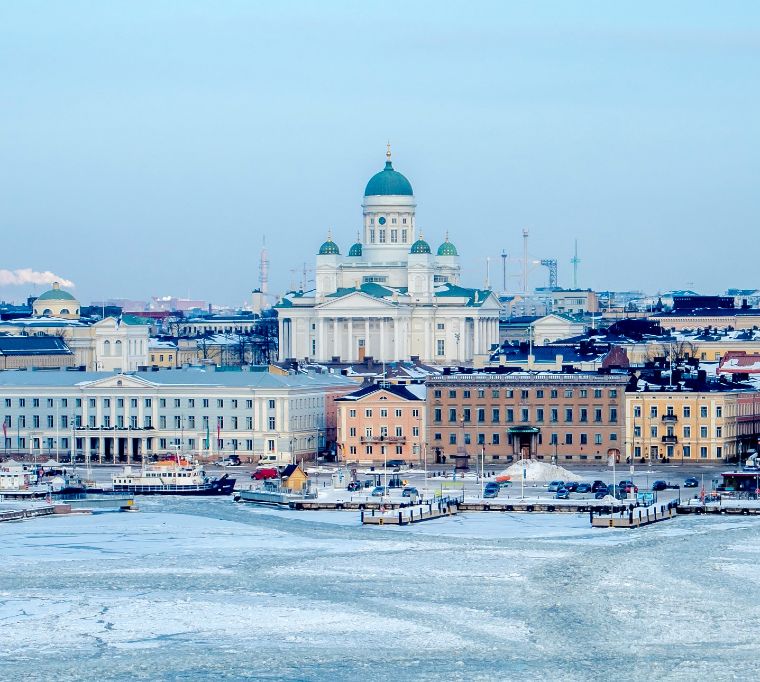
{"points": [[653, 411], [703, 452], [568, 439], [481, 439], [481, 393], [554, 415], [568, 415], [687, 411], [466, 393], [219, 402], [437, 393], [467, 439], [637, 432], [452, 439], [719, 432], [177, 422], [248, 404], [584, 415], [553, 440], [440, 347], [437, 415], [352, 432], [540, 393], [495, 415], [50, 421], [613, 393], [50, 402], [272, 423], [703, 432], [653, 431], [597, 439], [36, 421], [205, 402], [687, 431], [524, 395], [584, 439], [539, 414], [452, 394], [613, 414], [509, 393], [524, 414], [397, 413], [466, 414], [452, 415], [481, 415], [162, 402], [368, 412], [352, 413], [437, 436], [510, 415], [394, 235], [553, 393], [107, 422], [636, 412], [718, 411], [703, 411], [384, 412], [35, 402], [495, 393], [719, 452], [597, 393], [162, 422], [583, 393]]}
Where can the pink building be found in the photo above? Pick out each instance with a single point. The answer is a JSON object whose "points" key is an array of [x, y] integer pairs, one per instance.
{"points": [[379, 423]]}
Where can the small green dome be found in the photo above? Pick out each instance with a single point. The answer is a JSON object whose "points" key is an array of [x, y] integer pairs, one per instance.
{"points": [[355, 250], [55, 294], [447, 249], [388, 182], [420, 246], [329, 248]]}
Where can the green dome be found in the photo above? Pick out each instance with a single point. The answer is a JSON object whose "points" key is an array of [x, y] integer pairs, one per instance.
{"points": [[447, 249], [388, 182], [55, 294], [420, 246], [355, 250], [329, 248]]}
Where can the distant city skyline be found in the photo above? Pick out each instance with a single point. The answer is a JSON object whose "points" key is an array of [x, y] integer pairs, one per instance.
{"points": [[149, 148]]}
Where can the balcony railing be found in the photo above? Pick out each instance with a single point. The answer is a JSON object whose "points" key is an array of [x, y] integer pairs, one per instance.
{"points": [[670, 439], [669, 418], [383, 439]]}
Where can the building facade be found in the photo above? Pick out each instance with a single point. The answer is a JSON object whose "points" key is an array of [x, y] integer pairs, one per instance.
{"points": [[684, 425], [390, 298], [121, 417], [553, 416], [382, 422]]}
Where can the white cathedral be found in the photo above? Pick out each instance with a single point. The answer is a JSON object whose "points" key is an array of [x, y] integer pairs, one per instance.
{"points": [[390, 298]]}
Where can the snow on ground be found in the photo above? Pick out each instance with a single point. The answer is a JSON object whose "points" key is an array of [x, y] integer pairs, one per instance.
{"points": [[538, 472]]}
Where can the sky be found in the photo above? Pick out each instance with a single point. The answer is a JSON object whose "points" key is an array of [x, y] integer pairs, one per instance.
{"points": [[147, 147]]}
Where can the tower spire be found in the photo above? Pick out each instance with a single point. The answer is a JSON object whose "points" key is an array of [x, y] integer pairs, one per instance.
{"points": [[388, 150]]}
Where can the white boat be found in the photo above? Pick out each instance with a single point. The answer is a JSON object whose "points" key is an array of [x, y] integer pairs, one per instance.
{"points": [[176, 477]]}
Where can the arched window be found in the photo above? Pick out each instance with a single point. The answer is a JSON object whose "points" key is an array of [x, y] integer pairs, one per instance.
{"points": [[117, 349], [65, 311], [106, 347], [47, 312]]}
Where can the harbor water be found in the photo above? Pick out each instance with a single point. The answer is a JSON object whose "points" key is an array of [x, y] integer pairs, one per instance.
{"points": [[191, 589]]}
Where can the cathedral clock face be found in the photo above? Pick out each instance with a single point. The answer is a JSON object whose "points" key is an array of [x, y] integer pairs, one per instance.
{"points": [[381, 220]]}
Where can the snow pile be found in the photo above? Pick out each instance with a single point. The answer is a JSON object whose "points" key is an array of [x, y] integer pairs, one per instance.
{"points": [[538, 472]]}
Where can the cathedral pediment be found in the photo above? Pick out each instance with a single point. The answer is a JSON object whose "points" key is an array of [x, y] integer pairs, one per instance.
{"points": [[357, 299]]}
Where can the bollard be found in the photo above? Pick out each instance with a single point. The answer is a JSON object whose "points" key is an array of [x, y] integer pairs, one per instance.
{"points": [[399, 519], [362, 517]]}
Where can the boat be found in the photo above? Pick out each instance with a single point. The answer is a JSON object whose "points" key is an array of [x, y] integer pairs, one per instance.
{"points": [[175, 477], [30, 481]]}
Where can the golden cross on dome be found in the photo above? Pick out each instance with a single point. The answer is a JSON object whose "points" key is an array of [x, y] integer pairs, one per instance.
{"points": [[388, 151]]}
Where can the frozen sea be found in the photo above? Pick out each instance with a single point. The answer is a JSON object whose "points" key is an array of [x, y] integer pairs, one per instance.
{"points": [[213, 590]]}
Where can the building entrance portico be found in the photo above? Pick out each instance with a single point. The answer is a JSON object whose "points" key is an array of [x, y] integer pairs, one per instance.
{"points": [[524, 441]]}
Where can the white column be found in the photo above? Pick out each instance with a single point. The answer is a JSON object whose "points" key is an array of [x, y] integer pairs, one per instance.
{"points": [[366, 337], [476, 332], [350, 349], [428, 353], [382, 339], [335, 336]]}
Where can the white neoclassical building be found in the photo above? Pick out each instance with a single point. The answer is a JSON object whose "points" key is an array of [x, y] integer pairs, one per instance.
{"points": [[390, 297]]}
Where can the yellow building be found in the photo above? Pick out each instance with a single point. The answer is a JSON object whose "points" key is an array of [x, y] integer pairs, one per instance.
{"points": [[56, 303], [162, 354], [712, 349], [690, 426], [294, 478]]}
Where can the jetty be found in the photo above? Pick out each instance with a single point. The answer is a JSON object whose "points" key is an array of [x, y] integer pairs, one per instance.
{"points": [[33, 512], [635, 517], [413, 514]]}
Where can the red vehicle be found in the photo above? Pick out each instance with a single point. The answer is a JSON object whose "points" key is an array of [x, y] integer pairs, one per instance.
{"points": [[264, 474]]}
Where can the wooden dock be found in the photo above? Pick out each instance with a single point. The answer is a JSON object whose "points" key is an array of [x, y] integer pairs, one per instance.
{"points": [[32, 512], [408, 515], [636, 517]]}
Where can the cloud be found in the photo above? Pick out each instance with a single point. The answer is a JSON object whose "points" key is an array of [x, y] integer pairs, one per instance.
{"points": [[29, 276]]}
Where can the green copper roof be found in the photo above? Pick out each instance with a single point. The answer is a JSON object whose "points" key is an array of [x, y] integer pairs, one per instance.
{"points": [[388, 182], [420, 246], [447, 249], [55, 294], [355, 250], [329, 248]]}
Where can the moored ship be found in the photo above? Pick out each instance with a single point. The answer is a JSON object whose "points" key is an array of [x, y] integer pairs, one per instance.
{"points": [[171, 478]]}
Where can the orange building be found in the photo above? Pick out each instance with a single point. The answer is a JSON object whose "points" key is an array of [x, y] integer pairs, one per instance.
{"points": [[382, 422]]}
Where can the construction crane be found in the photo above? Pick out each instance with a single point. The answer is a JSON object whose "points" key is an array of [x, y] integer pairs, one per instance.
{"points": [[551, 264], [575, 262]]}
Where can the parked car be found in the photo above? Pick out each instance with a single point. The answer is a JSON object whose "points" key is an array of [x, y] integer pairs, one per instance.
{"points": [[410, 492], [571, 486], [598, 485], [583, 488], [659, 485], [491, 490], [627, 487], [379, 491], [264, 473], [396, 463], [354, 487], [691, 482], [554, 486], [562, 494]]}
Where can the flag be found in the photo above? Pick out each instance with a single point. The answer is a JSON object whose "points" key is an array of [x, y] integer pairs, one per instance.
{"points": [[5, 430]]}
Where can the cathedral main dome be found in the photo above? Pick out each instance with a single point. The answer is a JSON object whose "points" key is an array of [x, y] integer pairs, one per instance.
{"points": [[388, 182]]}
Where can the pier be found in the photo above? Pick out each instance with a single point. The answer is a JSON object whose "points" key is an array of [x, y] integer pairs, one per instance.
{"points": [[413, 514], [635, 517]]}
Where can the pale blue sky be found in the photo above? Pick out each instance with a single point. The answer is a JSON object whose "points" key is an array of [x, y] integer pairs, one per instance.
{"points": [[147, 146]]}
